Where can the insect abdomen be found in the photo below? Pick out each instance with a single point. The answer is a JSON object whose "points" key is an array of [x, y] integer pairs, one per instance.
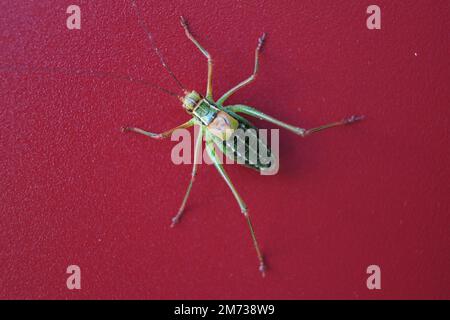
{"points": [[223, 126], [238, 139], [246, 147]]}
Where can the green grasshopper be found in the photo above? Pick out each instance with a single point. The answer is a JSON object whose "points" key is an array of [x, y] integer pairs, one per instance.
{"points": [[216, 119]]}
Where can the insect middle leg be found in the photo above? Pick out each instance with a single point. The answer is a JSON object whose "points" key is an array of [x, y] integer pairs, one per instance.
{"points": [[205, 53], [197, 148], [162, 135], [240, 108], [249, 79], [215, 159]]}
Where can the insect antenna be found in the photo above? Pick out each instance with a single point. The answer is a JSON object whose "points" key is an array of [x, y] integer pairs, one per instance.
{"points": [[144, 26], [87, 72]]}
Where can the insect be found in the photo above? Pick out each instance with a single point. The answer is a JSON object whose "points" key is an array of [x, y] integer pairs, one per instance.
{"points": [[216, 120]]}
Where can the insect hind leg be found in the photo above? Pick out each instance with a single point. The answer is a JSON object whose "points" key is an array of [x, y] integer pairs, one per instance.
{"points": [[240, 108], [343, 122], [215, 159]]}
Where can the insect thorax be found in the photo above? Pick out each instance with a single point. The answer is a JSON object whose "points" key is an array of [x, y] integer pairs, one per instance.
{"points": [[219, 123], [205, 111]]}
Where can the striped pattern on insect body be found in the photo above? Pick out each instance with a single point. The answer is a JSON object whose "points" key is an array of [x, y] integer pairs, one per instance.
{"points": [[222, 126], [235, 137]]}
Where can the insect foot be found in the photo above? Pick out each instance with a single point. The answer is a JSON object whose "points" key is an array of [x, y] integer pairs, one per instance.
{"points": [[353, 119], [261, 41], [175, 220], [183, 22], [262, 269]]}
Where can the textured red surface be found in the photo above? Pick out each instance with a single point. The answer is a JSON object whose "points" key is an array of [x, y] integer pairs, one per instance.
{"points": [[75, 190]]}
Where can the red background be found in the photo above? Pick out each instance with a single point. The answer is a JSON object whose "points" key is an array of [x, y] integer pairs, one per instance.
{"points": [[75, 190]]}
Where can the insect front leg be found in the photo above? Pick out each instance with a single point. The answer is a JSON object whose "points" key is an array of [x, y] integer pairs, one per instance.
{"points": [[249, 79], [215, 159], [205, 53], [197, 148], [240, 108], [162, 135]]}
